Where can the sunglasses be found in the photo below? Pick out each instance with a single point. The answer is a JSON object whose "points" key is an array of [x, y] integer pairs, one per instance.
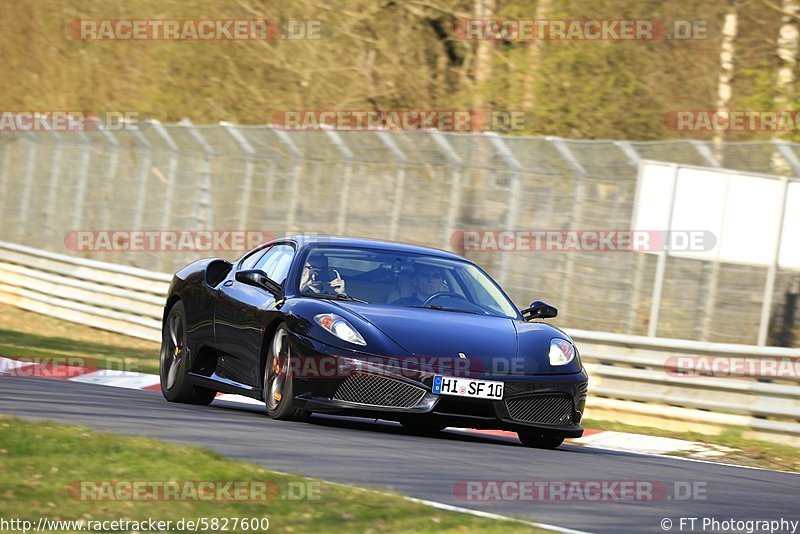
{"points": [[431, 276]]}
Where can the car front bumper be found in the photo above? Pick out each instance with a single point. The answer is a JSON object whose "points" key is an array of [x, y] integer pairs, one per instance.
{"points": [[361, 384]]}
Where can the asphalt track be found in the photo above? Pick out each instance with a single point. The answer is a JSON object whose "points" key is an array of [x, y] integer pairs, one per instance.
{"points": [[385, 456]]}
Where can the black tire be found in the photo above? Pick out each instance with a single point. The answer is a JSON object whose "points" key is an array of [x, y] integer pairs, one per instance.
{"points": [[534, 439], [423, 426], [278, 390], [174, 359]]}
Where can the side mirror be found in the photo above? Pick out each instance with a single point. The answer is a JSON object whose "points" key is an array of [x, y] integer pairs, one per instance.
{"points": [[258, 278], [539, 310]]}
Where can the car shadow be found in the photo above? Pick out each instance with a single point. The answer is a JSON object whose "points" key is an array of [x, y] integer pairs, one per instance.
{"points": [[382, 426]]}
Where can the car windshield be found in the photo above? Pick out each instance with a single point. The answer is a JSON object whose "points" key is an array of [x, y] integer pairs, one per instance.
{"points": [[401, 279]]}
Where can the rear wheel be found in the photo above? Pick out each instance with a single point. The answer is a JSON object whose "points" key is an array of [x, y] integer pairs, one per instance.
{"points": [[174, 360], [278, 386], [532, 438]]}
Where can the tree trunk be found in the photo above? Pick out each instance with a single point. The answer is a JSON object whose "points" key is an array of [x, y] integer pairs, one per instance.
{"points": [[484, 10], [730, 30], [786, 50], [532, 64]]}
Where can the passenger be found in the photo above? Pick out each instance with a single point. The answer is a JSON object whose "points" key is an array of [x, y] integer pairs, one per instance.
{"points": [[426, 280]]}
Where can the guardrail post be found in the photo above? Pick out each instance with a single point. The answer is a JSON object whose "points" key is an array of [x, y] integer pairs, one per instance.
{"points": [[575, 216], [144, 174], [172, 170], [456, 177], [52, 192], [347, 154], [713, 266], [83, 178], [27, 186], [515, 193], [399, 182], [205, 209], [108, 181], [4, 180], [705, 153], [629, 151], [769, 286], [641, 259], [297, 174], [658, 282], [247, 184], [788, 155]]}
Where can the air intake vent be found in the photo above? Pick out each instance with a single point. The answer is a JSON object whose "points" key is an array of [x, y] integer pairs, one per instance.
{"points": [[553, 410], [375, 390]]}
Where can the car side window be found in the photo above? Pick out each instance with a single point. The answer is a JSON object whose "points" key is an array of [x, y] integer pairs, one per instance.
{"points": [[250, 261], [276, 262]]}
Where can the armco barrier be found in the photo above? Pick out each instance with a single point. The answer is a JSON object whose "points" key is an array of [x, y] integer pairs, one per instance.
{"points": [[103, 295], [631, 377]]}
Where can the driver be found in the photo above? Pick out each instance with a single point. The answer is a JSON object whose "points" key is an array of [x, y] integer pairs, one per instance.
{"points": [[426, 280], [318, 278]]}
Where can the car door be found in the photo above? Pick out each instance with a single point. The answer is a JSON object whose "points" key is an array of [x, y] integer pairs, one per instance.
{"points": [[241, 313]]}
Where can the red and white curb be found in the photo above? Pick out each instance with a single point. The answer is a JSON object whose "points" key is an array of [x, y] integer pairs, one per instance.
{"points": [[602, 439]]}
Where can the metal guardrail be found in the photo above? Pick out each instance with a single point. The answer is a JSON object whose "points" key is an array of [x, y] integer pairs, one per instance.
{"points": [[630, 375], [98, 294]]}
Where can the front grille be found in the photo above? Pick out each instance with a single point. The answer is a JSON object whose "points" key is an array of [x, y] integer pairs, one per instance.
{"points": [[541, 409], [376, 390]]}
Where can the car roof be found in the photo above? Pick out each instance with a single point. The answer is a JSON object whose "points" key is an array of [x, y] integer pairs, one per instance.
{"points": [[305, 240]]}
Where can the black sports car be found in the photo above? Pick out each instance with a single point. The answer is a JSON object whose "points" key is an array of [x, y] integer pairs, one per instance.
{"points": [[369, 328]]}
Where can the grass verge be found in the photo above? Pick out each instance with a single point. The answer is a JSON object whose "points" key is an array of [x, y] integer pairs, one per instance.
{"points": [[749, 452], [26, 335], [42, 466]]}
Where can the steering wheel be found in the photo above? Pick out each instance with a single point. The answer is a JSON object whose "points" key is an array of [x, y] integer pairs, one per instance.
{"points": [[439, 294]]}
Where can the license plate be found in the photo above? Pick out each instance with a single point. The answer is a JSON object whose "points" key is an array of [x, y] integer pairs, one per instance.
{"points": [[467, 387]]}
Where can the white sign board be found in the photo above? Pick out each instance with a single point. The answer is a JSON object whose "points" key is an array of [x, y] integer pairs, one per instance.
{"points": [[741, 210]]}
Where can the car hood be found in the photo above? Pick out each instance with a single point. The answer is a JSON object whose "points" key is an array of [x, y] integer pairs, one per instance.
{"points": [[436, 333], [490, 345]]}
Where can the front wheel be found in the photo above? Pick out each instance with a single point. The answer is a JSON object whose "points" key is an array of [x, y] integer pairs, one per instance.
{"points": [[534, 439], [278, 386], [174, 360]]}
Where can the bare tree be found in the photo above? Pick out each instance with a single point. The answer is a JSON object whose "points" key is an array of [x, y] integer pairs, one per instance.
{"points": [[532, 64], [730, 30], [484, 10], [786, 50]]}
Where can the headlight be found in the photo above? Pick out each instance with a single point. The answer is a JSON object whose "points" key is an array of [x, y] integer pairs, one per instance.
{"points": [[561, 351], [339, 328]]}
